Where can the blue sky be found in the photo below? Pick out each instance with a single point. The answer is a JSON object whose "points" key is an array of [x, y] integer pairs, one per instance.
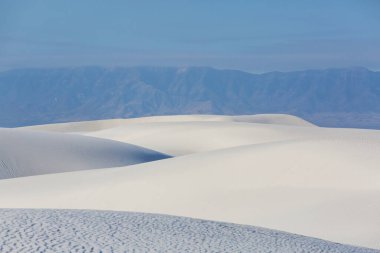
{"points": [[255, 36]]}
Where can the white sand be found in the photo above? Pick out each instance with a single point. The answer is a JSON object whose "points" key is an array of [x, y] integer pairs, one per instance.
{"points": [[27, 153], [306, 180], [181, 135], [96, 125], [47, 230]]}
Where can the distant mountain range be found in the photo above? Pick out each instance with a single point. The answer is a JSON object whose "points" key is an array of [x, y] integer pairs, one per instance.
{"points": [[332, 97]]}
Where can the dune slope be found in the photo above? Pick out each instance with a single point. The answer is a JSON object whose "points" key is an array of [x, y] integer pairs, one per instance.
{"points": [[95, 231], [96, 125], [27, 153], [187, 134], [305, 187], [306, 180]]}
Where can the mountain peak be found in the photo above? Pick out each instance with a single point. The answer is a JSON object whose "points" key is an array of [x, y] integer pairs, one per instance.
{"points": [[37, 96]]}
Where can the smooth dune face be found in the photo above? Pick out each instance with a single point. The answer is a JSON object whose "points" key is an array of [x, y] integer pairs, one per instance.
{"points": [[28, 153], [277, 119], [270, 185], [187, 134], [302, 179], [184, 138], [96, 125]]}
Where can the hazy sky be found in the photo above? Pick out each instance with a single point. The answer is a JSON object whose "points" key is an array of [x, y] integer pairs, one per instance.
{"points": [[256, 36]]}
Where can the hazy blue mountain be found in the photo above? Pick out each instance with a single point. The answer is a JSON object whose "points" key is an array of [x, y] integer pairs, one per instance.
{"points": [[332, 97]]}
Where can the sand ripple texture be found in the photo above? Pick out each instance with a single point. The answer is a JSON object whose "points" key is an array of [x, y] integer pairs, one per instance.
{"points": [[44, 230]]}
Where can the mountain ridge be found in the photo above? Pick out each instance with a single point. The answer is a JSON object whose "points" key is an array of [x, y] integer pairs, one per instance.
{"points": [[348, 97]]}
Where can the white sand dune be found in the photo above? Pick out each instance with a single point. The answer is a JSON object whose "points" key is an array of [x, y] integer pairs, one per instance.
{"points": [[183, 138], [312, 181], [105, 231], [187, 134], [96, 125], [27, 153]]}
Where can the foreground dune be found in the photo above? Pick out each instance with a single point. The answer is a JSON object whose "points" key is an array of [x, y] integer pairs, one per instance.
{"points": [[27, 153], [297, 178], [95, 231]]}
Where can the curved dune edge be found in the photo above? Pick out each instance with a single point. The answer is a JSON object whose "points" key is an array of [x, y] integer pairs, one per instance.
{"points": [[188, 134], [270, 185], [67, 230], [28, 153], [184, 138], [96, 125], [312, 181]]}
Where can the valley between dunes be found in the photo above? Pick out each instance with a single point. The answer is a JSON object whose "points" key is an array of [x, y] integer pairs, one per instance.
{"points": [[272, 171]]}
